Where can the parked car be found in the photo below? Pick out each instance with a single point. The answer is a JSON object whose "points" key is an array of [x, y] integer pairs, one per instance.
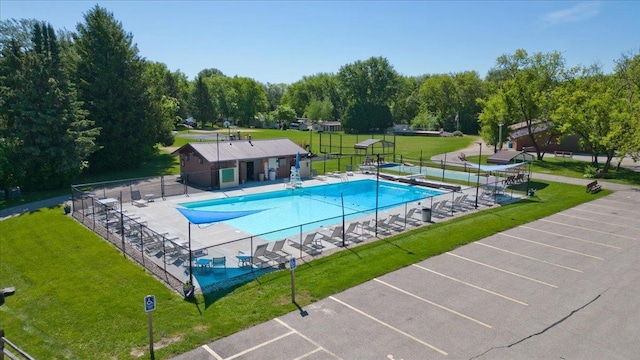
{"points": [[190, 121]]}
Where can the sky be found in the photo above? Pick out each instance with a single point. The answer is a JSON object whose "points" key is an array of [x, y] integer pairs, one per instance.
{"points": [[282, 41]]}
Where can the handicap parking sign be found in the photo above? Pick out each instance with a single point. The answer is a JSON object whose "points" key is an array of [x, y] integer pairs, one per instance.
{"points": [[149, 303], [292, 263]]}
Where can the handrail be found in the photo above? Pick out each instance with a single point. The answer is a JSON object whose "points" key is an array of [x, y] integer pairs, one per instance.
{"points": [[12, 356]]}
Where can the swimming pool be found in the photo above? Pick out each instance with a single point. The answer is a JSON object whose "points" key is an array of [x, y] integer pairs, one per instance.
{"points": [[282, 212]]}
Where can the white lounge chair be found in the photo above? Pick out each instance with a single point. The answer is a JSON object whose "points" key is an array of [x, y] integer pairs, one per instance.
{"points": [[136, 199]]}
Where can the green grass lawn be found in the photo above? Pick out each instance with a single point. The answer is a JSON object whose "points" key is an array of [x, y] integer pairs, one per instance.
{"points": [[77, 297]]}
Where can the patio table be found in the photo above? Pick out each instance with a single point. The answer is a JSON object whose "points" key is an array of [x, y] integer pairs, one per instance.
{"points": [[203, 263], [244, 260]]}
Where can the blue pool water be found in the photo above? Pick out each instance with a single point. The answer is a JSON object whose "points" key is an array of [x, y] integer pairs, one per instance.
{"points": [[283, 212]]}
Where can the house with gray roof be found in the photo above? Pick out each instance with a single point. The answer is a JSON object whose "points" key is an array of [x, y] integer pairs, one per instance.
{"points": [[225, 164]]}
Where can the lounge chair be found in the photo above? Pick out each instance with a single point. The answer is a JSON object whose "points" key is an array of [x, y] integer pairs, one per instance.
{"points": [[438, 208], [335, 237], [409, 219], [351, 233], [308, 245], [258, 257], [391, 223], [136, 199], [461, 202], [371, 225], [276, 253]]}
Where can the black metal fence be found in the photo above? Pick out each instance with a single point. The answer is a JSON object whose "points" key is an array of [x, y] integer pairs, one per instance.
{"points": [[173, 260]]}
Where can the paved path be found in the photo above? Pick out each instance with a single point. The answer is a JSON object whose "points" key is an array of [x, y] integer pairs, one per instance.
{"points": [[474, 150], [34, 206]]}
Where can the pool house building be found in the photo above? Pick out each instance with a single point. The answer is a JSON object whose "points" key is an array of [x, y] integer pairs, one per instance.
{"points": [[227, 164]]}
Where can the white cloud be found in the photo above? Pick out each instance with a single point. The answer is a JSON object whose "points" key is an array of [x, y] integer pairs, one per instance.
{"points": [[579, 12]]}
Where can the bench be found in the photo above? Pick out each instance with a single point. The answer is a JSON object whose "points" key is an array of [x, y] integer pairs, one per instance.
{"points": [[593, 187], [564, 154]]}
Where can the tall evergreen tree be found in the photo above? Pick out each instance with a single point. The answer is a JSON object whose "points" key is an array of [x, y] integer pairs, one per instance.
{"points": [[45, 122], [201, 103], [109, 74]]}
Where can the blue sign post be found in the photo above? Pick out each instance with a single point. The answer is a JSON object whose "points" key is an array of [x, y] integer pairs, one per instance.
{"points": [[149, 303], [149, 306]]}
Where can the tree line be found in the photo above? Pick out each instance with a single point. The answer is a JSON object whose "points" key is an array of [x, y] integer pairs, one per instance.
{"points": [[85, 101]]}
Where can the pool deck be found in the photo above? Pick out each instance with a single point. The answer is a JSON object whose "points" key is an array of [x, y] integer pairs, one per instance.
{"points": [[162, 217]]}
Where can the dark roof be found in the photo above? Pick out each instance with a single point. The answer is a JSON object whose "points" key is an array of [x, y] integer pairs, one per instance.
{"points": [[244, 149], [521, 129], [507, 157]]}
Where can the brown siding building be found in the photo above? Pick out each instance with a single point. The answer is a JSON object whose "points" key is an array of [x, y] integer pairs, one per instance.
{"points": [[225, 164]]}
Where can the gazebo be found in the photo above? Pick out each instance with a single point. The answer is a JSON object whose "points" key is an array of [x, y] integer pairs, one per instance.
{"points": [[382, 146]]}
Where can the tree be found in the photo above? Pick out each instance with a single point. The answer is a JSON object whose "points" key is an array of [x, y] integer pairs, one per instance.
{"points": [[274, 94], [371, 81], [209, 73], [469, 87], [109, 74], [319, 110], [202, 107], [425, 121], [525, 84], [43, 121], [406, 103], [362, 118], [251, 100], [589, 105], [315, 88], [284, 115], [439, 97], [627, 74], [17, 31]]}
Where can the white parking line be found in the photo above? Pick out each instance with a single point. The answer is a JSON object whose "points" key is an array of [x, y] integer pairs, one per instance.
{"points": [[571, 237], [304, 356], [602, 206], [615, 201], [434, 304], [588, 229], [503, 270], [389, 326], [551, 246], [601, 214], [527, 257], [598, 221], [473, 286], [319, 347], [213, 353], [261, 345]]}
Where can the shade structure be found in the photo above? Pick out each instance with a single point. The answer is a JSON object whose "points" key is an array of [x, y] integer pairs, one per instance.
{"points": [[494, 167], [207, 217]]}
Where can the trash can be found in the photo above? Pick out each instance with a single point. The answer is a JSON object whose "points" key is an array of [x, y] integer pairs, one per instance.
{"points": [[426, 214]]}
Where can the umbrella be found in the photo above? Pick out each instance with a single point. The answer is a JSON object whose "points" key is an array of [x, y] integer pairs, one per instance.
{"points": [[298, 160]]}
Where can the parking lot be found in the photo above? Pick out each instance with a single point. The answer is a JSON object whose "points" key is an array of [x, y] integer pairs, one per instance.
{"points": [[565, 286]]}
